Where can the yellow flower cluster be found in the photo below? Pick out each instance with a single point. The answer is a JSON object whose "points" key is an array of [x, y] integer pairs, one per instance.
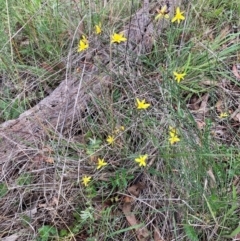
{"points": [[140, 104], [223, 115], [173, 136], [111, 138], [163, 13], [101, 162], [83, 44], [119, 37], [115, 38], [141, 159], [86, 179]]}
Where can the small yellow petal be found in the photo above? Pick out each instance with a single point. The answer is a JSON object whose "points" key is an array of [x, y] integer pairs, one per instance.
{"points": [[101, 163], [162, 13], [110, 140], [118, 38], [141, 160], [141, 104], [83, 44], [179, 76], [178, 16], [119, 129], [173, 139], [172, 130], [223, 115], [98, 28], [86, 180], [166, 16]]}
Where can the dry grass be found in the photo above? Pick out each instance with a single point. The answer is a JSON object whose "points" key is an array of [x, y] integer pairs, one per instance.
{"points": [[188, 191]]}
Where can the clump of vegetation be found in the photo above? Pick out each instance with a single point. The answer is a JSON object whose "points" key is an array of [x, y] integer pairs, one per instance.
{"points": [[162, 143]]}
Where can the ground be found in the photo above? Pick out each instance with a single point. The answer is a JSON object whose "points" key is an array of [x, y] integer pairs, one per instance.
{"points": [[119, 123]]}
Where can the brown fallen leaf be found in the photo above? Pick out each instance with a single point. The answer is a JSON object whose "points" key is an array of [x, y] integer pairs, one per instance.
{"points": [[236, 114], [128, 199], [49, 160], [213, 179], [237, 237], [236, 71], [47, 150], [51, 204], [157, 235], [12, 237], [31, 213], [194, 103], [203, 107], [210, 173], [219, 106], [40, 205], [209, 82], [225, 32], [93, 159], [200, 124], [54, 201], [142, 232], [47, 67], [136, 188], [199, 105], [237, 117], [44, 155]]}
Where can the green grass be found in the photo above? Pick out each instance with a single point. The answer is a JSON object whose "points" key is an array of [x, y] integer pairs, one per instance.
{"points": [[190, 188]]}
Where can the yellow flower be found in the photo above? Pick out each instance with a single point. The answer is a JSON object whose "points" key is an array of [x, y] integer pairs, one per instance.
{"points": [[178, 16], [101, 163], [179, 76], [110, 140], [83, 44], [173, 138], [223, 115], [141, 160], [122, 128], [162, 13], [118, 38], [141, 104], [86, 180], [119, 129], [172, 130], [98, 28]]}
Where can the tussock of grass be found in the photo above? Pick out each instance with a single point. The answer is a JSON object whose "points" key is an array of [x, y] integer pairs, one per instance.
{"points": [[190, 188]]}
